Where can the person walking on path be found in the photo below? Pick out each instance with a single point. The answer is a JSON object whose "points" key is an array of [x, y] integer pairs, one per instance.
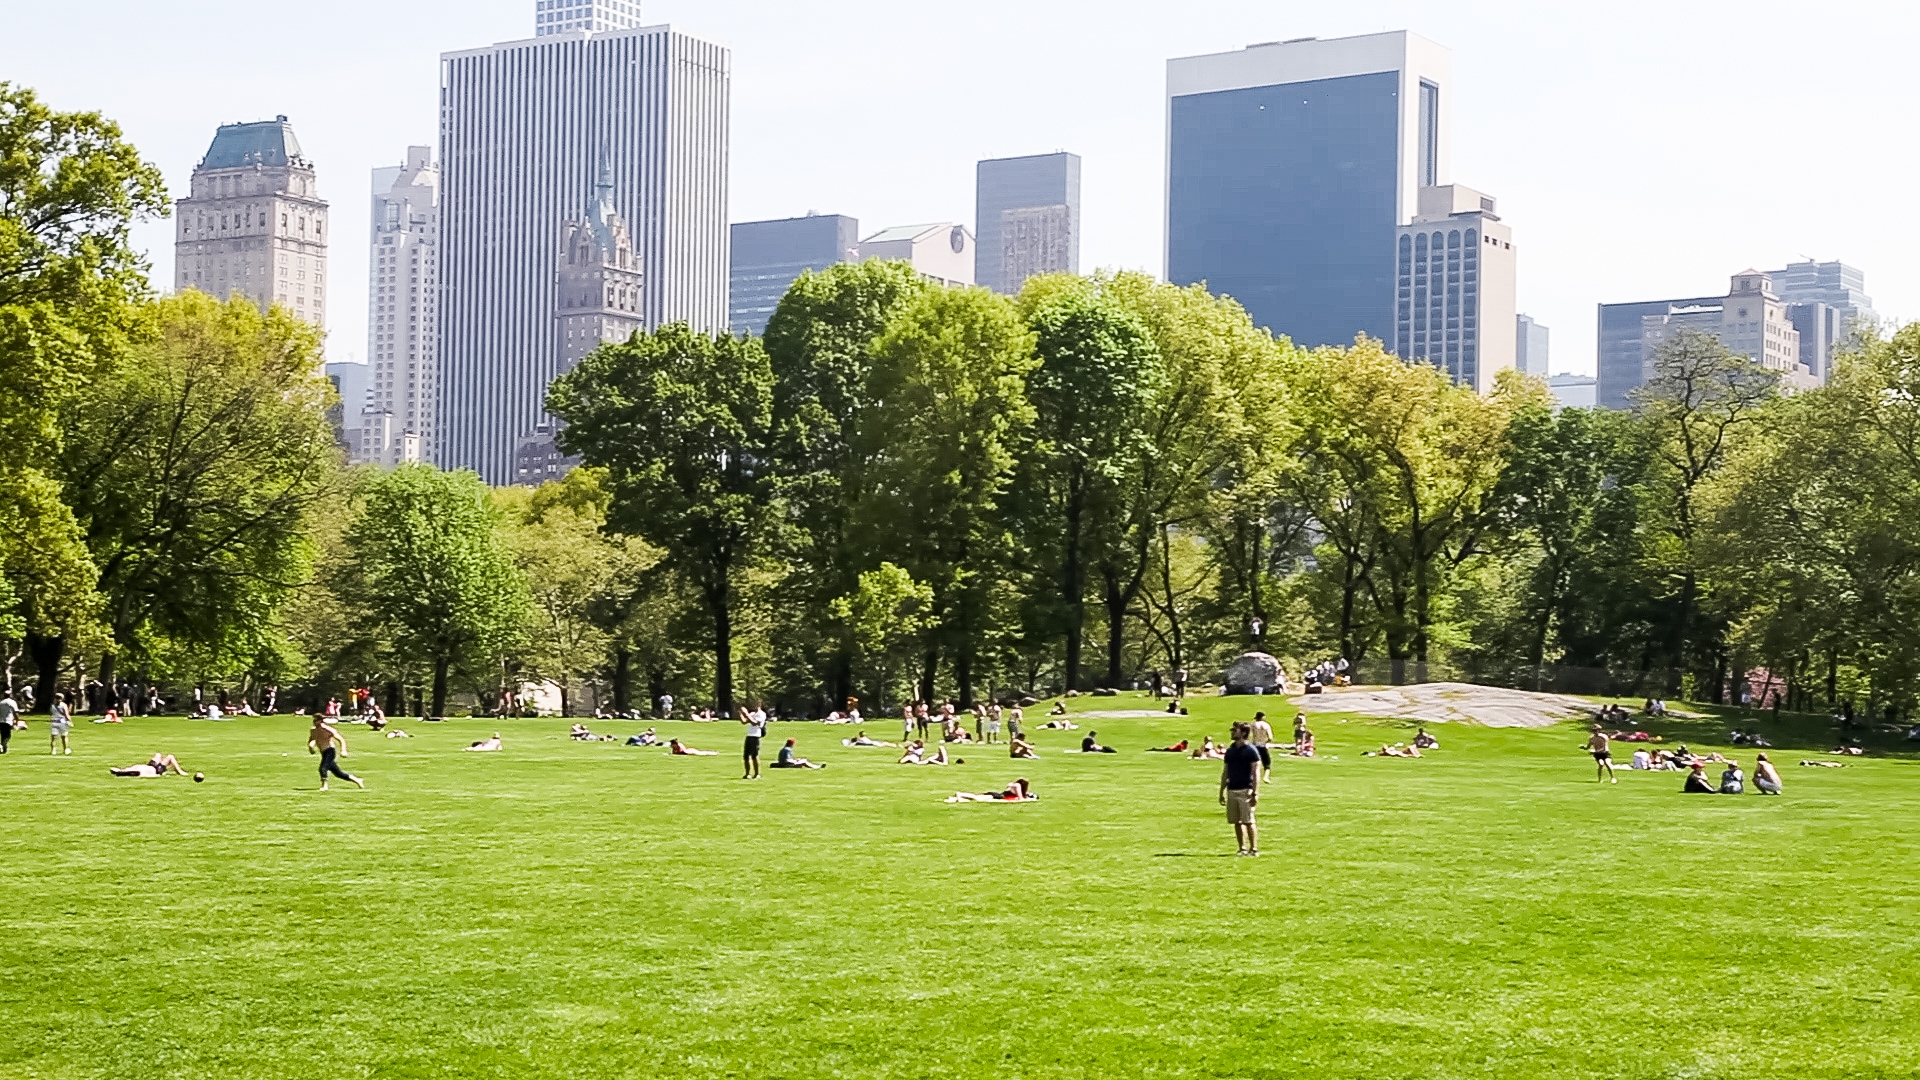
{"points": [[9, 715], [326, 740], [61, 722], [1240, 789], [1602, 750], [756, 724]]}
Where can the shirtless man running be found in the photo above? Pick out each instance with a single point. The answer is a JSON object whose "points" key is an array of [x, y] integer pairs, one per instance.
{"points": [[327, 741], [1602, 750]]}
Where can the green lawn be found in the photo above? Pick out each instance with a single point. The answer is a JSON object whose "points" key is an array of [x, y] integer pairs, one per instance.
{"points": [[588, 910]]}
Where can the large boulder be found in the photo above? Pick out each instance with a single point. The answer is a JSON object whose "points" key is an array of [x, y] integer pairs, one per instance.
{"points": [[1254, 673]]}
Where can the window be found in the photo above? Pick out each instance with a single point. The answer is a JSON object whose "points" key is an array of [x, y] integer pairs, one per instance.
{"points": [[1429, 134]]}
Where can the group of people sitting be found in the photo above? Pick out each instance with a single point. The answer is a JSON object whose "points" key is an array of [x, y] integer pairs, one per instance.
{"points": [[1766, 779], [1327, 673]]}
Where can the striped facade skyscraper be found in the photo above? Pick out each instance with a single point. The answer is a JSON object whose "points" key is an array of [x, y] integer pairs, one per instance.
{"points": [[526, 129]]}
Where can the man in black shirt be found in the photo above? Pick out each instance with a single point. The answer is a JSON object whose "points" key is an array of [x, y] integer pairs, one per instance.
{"points": [[1240, 788], [1091, 745]]}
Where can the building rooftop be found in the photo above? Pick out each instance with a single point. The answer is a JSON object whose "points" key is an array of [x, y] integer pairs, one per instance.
{"points": [[905, 232], [262, 142]]}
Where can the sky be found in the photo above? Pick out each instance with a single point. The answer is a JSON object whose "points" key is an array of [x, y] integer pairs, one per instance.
{"points": [[1638, 149]]}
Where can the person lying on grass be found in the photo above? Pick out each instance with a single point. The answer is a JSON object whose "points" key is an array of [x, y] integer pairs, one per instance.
{"points": [[649, 737], [1177, 748], [1019, 747], [1018, 791], [396, 733], [1823, 764], [485, 746], [1395, 750], [862, 740], [155, 766], [917, 755], [1061, 725], [1697, 782], [788, 759], [1090, 745], [1208, 750], [680, 749]]}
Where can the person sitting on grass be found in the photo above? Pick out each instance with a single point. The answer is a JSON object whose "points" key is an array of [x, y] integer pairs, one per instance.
{"points": [[862, 740], [1177, 748], [1766, 779], [649, 737], [939, 758], [680, 749], [1424, 741], [156, 766], [1208, 750], [1303, 743], [1018, 791], [1697, 782], [790, 760], [1641, 761], [1059, 709], [1019, 747], [1733, 781], [485, 746], [1090, 745], [910, 753]]}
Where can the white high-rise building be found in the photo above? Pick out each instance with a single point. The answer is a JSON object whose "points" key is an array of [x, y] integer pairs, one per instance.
{"points": [[564, 16], [523, 126], [1454, 275], [254, 224], [396, 420]]}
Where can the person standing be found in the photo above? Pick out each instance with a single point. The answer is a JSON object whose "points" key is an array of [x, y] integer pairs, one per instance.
{"points": [[1240, 789], [1261, 738], [326, 740], [993, 722], [1601, 748], [755, 721], [9, 715], [666, 706], [906, 723], [60, 725]]}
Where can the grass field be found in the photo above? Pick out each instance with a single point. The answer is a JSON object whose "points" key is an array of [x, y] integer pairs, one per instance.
{"points": [[590, 910]]}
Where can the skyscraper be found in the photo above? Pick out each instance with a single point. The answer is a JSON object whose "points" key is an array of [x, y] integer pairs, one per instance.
{"points": [[768, 255], [1751, 320], [1827, 303], [565, 16], [1027, 219], [523, 126], [253, 223], [1530, 346], [1289, 167], [1454, 287], [396, 423]]}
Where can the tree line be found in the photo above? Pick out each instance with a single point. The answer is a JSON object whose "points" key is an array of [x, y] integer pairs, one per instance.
{"points": [[907, 490]]}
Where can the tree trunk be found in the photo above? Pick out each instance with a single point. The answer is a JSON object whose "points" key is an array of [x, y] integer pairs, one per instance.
{"points": [[929, 670], [107, 685], [622, 675], [439, 686], [656, 689], [47, 652], [963, 675], [1833, 676], [1073, 581], [722, 654], [842, 679], [396, 697], [1116, 604]]}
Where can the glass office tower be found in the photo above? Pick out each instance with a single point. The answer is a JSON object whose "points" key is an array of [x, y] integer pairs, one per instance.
{"points": [[768, 255], [1289, 167]]}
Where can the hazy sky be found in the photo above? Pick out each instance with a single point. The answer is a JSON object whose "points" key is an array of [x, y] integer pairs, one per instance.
{"points": [[1639, 149]]}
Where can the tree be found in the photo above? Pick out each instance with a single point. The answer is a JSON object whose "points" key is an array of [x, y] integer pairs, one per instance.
{"points": [[937, 458], [574, 571], [1699, 401], [70, 189], [884, 616], [1099, 370], [683, 424], [819, 345], [195, 467], [427, 563]]}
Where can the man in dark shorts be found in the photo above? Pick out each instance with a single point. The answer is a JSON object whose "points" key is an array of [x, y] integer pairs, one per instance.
{"points": [[1240, 789], [755, 721], [327, 741], [1602, 750]]}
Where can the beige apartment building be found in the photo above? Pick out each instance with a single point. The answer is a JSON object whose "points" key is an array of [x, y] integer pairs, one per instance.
{"points": [[253, 222]]}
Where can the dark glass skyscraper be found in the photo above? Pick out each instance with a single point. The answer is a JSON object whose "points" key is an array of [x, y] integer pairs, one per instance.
{"points": [[1027, 219], [1289, 167], [768, 255]]}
